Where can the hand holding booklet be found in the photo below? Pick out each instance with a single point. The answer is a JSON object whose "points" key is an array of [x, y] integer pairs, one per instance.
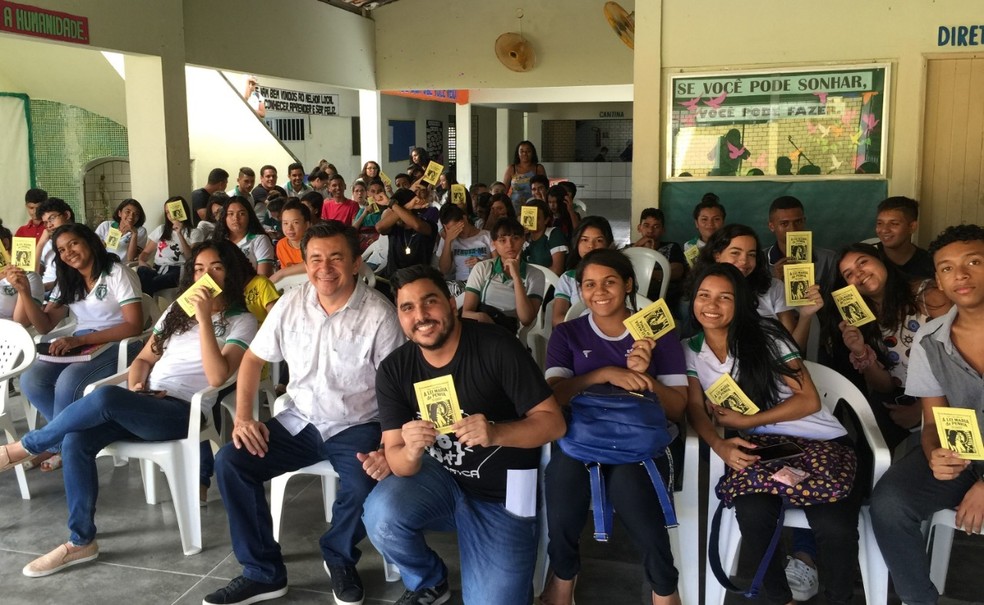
{"points": [[652, 321], [79, 354], [726, 393], [205, 281], [438, 402]]}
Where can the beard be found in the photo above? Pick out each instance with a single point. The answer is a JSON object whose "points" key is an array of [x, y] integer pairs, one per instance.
{"points": [[439, 339]]}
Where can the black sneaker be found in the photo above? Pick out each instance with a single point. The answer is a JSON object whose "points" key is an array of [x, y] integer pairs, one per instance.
{"points": [[345, 584], [243, 591], [427, 596]]}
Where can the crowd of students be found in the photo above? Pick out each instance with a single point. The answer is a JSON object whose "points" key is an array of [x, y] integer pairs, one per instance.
{"points": [[354, 361]]}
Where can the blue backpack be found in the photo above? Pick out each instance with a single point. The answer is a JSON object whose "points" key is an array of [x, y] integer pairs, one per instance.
{"points": [[610, 425]]}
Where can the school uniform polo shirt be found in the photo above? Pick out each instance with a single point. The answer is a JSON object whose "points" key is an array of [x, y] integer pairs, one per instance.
{"points": [[494, 287]]}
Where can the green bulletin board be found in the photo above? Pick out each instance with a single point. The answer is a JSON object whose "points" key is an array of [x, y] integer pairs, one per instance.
{"points": [[814, 123], [838, 212]]}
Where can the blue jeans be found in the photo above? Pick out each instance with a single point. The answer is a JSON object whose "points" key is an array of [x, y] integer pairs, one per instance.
{"points": [[241, 475], [109, 414], [52, 387], [905, 496], [498, 549]]}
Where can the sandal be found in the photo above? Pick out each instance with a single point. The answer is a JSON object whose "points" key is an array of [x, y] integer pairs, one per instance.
{"points": [[6, 464], [51, 464]]}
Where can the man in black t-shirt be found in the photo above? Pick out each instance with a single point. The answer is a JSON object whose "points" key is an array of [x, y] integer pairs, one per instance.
{"points": [[217, 181], [473, 479], [411, 224]]}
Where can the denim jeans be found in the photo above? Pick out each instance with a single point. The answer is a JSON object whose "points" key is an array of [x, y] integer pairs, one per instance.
{"points": [[52, 387], [241, 475], [905, 496], [497, 548], [109, 414]]}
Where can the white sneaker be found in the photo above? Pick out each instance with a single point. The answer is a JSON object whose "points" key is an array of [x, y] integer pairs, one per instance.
{"points": [[802, 579]]}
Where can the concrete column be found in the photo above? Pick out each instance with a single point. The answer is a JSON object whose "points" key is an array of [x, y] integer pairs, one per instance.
{"points": [[463, 128], [157, 128], [503, 148], [371, 126], [647, 169]]}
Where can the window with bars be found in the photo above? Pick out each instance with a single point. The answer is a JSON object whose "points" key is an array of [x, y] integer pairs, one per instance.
{"points": [[287, 129], [452, 142]]}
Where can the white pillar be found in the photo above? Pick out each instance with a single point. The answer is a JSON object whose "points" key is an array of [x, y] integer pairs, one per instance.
{"points": [[463, 128], [157, 129], [370, 125], [503, 147]]}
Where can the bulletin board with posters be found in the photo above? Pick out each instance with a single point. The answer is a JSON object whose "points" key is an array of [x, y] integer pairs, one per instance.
{"points": [[799, 123]]}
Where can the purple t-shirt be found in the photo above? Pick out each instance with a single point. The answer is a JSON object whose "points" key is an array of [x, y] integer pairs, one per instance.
{"points": [[578, 347]]}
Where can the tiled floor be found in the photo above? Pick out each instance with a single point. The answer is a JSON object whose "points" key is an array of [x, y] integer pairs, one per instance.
{"points": [[141, 560]]}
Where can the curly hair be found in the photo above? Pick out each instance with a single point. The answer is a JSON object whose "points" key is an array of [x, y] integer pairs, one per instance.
{"points": [[956, 233], [238, 272]]}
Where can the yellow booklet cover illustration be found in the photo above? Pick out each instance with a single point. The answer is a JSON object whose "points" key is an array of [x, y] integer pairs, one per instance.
{"points": [[852, 307], [176, 210], [113, 238], [433, 171], [527, 217], [691, 255], [206, 281], [959, 431], [650, 322], [387, 182], [438, 402], [726, 393], [797, 279], [23, 252], [799, 246], [458, 195], [4, 257]]}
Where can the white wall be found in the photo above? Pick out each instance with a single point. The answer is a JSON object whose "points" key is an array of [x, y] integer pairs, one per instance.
{"points": [[224, 132], [451, 44], [62, 73]]}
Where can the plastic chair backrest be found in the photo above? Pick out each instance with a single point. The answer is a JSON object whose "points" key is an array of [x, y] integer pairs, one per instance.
{"points": [[644, 261], [292, 281]]}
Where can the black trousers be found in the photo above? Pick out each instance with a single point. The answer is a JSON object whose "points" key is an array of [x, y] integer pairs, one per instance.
{"points": [[568, 495]]}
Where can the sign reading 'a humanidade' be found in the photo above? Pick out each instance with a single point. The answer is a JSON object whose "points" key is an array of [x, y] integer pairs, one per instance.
{"points": [[43, 23]]}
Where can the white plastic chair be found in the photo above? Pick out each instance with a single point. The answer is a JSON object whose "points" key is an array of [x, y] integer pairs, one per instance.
{"points": [[66, 327], [537, 334], [940, 532], [329, 488], [579, 308], [179, 459], [644, 261], [832, 388], [17, 353], [377, 254], [292, 281]]}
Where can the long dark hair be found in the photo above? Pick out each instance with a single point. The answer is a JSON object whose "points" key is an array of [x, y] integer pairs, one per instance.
{"points": [[898, 302], [562, 220], [752, 339], [238, 272], [185, 224], [70, 282], [597, 222], [615, 260], [254, 227], [759, 279]]}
